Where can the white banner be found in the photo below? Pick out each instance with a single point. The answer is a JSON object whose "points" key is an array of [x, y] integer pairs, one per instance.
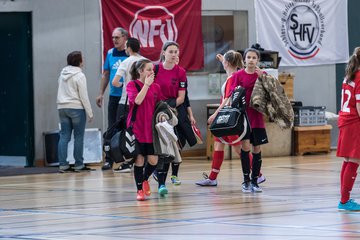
{"points": [[304, 32]]}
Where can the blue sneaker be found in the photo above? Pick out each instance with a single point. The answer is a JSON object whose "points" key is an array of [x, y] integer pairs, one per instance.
{"points": [[175, 180], [350, 205], [163, 190]]}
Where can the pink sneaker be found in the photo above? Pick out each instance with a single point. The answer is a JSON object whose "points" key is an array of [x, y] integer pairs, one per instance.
{"points": [[146, 188], [140, 195]]}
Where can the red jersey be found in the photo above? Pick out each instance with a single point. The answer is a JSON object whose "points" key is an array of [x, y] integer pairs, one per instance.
{"points": [[171, 81], [247, 81], [226, 91], [142, 126], [350, 95]]}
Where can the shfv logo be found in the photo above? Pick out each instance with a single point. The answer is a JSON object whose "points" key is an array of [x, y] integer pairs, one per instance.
{"points": [[152, 23], [302, 28]]}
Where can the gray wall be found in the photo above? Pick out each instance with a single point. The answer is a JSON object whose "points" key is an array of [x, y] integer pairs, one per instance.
{"points": [[61, 26]]}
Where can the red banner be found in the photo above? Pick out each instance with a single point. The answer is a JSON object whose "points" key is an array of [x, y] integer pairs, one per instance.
{"points": [[154, 22]]}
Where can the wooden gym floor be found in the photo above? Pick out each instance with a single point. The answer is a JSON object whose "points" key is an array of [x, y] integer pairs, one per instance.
{"points": [[299, 201]]}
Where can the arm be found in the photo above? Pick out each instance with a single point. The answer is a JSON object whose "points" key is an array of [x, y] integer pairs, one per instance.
{"points": [[120, 72], [212, 117], [141, 95], [191, 116], [84, 98], [181, 97], [358, 108], [103, 85], [116, 81]]}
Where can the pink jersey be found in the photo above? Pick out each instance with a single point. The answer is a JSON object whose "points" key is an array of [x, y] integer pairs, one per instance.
{"points": [[142, 126], [350, 95], [171, 81], [247, 81]]}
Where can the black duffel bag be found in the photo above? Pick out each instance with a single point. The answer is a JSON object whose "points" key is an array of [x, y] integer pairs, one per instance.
{"points": [[230, 121]]}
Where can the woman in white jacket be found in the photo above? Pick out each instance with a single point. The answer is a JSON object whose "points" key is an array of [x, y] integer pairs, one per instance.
{"points": [[73, 105]]}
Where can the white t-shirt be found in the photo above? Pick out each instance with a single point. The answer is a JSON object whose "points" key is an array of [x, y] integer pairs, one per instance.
{"points": [[124, 71]]}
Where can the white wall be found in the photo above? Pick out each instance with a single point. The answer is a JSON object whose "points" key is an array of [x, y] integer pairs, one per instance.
{"points": [[61, 26]]}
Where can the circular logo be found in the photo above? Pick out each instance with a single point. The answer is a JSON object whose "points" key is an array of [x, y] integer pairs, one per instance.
{"points": [[302, 30], [152, 25], [302, 27]]}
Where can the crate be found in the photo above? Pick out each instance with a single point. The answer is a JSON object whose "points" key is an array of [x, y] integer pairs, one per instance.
{"points": [[309, 116]]}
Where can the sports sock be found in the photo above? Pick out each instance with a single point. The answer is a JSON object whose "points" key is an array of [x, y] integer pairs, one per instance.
{"points": [[218, 158], [345, 163], [149, 169], [175, 168], [139, 176], [256, 166], [245, 164], [162, 173], [348, 181]]}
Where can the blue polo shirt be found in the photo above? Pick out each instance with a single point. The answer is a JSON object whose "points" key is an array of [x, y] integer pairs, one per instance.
{"points": [[113, 59]]}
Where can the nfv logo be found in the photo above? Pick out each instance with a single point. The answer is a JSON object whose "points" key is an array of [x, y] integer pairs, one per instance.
{"points": [[149, 29], [302, 29]]}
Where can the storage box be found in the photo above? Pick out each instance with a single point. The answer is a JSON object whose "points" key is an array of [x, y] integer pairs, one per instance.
{"points": [[92, 147], [309, 116], [311, 139]]}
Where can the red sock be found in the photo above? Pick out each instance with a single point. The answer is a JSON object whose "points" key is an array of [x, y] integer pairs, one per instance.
{"points": [[218, 158], [342, 174], [348, 181], [251, 158]]}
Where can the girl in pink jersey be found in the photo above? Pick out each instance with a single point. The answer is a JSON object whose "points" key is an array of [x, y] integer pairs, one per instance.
{"points": [[143, 77], [172, 80], [247, 78], [349, 128]]}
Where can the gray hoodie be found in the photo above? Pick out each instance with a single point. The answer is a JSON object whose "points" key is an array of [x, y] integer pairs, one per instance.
{"points": [[72, 91]]}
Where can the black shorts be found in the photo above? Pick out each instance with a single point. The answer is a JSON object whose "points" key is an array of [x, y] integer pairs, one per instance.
{"points": [[146, 149], [257, 136]]}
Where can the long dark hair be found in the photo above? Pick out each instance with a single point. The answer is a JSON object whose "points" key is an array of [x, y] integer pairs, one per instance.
{"points": [[353, 65], [136, 67]]}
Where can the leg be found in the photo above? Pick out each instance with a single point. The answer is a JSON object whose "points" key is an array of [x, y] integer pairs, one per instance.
{"points": [[162, 179], [139, 177], [112, 116], [150, 167], [174, 175], [256, 166], [78, 117], [349, 177], [65, 135], [245, 164], [218, 158]]}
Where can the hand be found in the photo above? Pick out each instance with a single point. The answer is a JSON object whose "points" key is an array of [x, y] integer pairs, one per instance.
{"points": [[192, 120], [90, 119], [259, 72], [99, 100], [219, 57], [149, 79]]}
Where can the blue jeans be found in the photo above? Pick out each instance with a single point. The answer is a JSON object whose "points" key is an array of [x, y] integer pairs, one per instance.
{"points": [[71, 119]]}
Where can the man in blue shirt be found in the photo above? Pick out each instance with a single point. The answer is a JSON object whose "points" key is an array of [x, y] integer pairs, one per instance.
{"points": [[113, 59]]}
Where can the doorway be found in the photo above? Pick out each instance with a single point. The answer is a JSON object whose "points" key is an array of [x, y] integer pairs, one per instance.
{"points": [[16, 87]]}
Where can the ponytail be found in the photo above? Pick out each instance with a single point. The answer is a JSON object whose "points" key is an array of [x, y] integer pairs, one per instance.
{"points": [[353, 65]]}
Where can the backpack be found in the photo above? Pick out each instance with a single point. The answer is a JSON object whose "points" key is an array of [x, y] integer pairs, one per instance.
{"points": [[124, 146]]}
